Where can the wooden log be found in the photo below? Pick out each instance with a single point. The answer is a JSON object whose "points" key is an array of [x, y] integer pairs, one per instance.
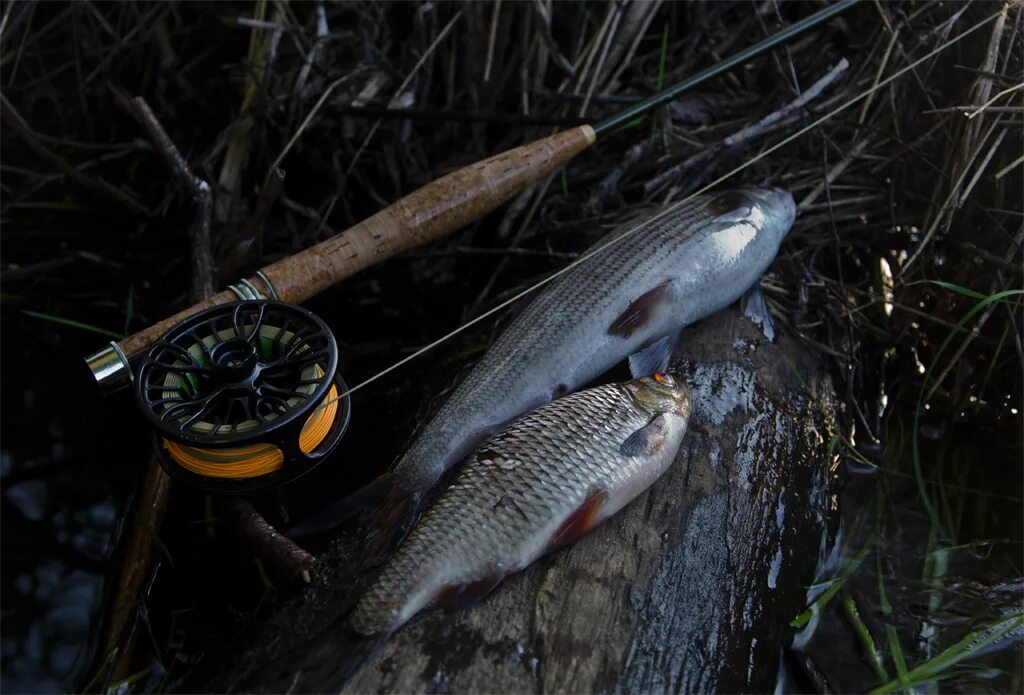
{"points": [[690, 588]]}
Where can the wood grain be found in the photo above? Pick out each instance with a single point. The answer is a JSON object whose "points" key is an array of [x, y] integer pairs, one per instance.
{"points": [[690, 588]]}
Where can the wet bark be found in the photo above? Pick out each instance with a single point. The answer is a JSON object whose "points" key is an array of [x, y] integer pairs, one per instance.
{"points": [[690, 588]]}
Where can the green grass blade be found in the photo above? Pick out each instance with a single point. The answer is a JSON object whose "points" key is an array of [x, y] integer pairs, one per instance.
{"points": [[959, 289], [940, 666], [922, 488], [868, 642], [72, 323], [837, 584], [662, 57], [902, 675]]}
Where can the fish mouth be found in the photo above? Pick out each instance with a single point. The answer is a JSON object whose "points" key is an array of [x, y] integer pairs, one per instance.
{"points": [[777, 206], [662, 391]]}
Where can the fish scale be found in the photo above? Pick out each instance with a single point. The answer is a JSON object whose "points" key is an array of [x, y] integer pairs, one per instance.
{"points": [[505, 504], [629, 299], [500, 384]]}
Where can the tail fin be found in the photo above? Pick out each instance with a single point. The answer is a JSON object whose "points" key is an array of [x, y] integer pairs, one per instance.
{"points": [[365, 498], [387, 512], [324, 664], [385, 527]]}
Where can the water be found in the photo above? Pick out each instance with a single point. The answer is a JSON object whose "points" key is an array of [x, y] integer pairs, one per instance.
{"points": [[68, 465]]}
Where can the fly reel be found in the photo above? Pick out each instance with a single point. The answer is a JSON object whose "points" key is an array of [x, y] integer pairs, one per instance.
{"points": [[244, 397]]}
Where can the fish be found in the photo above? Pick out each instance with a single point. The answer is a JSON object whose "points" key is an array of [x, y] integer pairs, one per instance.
{"points": [[628, 300], [543, 482]]}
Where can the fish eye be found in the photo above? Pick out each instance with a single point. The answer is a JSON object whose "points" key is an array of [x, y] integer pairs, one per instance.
{"points": [[664, 379]]}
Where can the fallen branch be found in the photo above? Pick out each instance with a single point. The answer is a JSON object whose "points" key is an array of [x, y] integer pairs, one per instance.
{"points": [[284, 557], [751, 132], [29, 137], [202, 259], [151, 505]]}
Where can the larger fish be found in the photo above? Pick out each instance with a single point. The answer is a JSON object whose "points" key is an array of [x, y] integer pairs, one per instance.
{"points": [[630, 299], [548, 478]]}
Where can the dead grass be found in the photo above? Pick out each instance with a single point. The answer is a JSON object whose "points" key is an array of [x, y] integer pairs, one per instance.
{"points": [[910, 201]]}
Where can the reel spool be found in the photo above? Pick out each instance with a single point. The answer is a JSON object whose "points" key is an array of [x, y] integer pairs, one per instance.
{"points": [[244, 397]]}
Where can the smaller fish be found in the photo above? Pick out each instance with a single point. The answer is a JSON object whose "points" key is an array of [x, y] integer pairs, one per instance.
{"points": [[547, 479]]}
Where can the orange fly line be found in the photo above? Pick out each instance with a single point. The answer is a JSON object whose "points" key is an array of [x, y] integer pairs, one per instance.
{"points": [[257, 459]]}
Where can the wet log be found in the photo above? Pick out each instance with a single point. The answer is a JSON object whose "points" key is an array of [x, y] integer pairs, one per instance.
{"points": [[690, 588]]}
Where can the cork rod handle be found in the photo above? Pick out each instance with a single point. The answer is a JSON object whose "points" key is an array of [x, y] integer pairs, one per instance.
{"points": [[436, 209]]}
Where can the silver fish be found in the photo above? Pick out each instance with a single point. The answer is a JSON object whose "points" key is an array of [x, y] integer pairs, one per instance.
{"points": [[547, 479], [629, 300]]}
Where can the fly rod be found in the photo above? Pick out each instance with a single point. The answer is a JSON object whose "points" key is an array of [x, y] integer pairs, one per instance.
{"points": [[429, 213]]}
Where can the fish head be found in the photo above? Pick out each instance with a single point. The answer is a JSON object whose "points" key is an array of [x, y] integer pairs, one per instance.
{"points": [[770, 211], [778, 210], [661, 393]]}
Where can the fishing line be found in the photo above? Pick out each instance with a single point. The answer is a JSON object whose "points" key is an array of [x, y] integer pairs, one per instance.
{"points": [[671, 208], [483, 187]]}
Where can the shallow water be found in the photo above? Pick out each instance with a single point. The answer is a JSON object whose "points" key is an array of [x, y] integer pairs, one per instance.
{"points": [[66, 475]]}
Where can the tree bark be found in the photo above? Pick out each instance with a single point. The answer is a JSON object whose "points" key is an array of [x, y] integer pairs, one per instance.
{"points": [[690, 588]]}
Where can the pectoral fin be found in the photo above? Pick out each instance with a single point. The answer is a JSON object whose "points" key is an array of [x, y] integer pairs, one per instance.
{"points": [[654, 357], [756, 309], [642, 311], [648, 439]]}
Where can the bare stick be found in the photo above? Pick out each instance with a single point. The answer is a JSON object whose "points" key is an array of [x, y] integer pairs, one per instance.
{"points": [[834, 173], [268, 195], [812, 93], [751, 132], [599, 68], [495, 12], [29, 137], [202, 259], [284, 557], [549, 40], [147, 513]]}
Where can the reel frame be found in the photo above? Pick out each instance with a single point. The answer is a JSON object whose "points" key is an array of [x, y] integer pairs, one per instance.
{"points": [[226, 375]]}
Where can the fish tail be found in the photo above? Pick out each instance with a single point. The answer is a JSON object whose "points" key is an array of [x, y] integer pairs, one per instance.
{"points": [[385, 527], [324, 664], [368, 497]]}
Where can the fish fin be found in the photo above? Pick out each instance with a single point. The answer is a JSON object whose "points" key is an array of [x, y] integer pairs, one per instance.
{"points": [[756, 309], [648, 439], [466, 594], [653, 358], [323, 664], [385, 527], [641, 311], [367, 497], [580, 521]]}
